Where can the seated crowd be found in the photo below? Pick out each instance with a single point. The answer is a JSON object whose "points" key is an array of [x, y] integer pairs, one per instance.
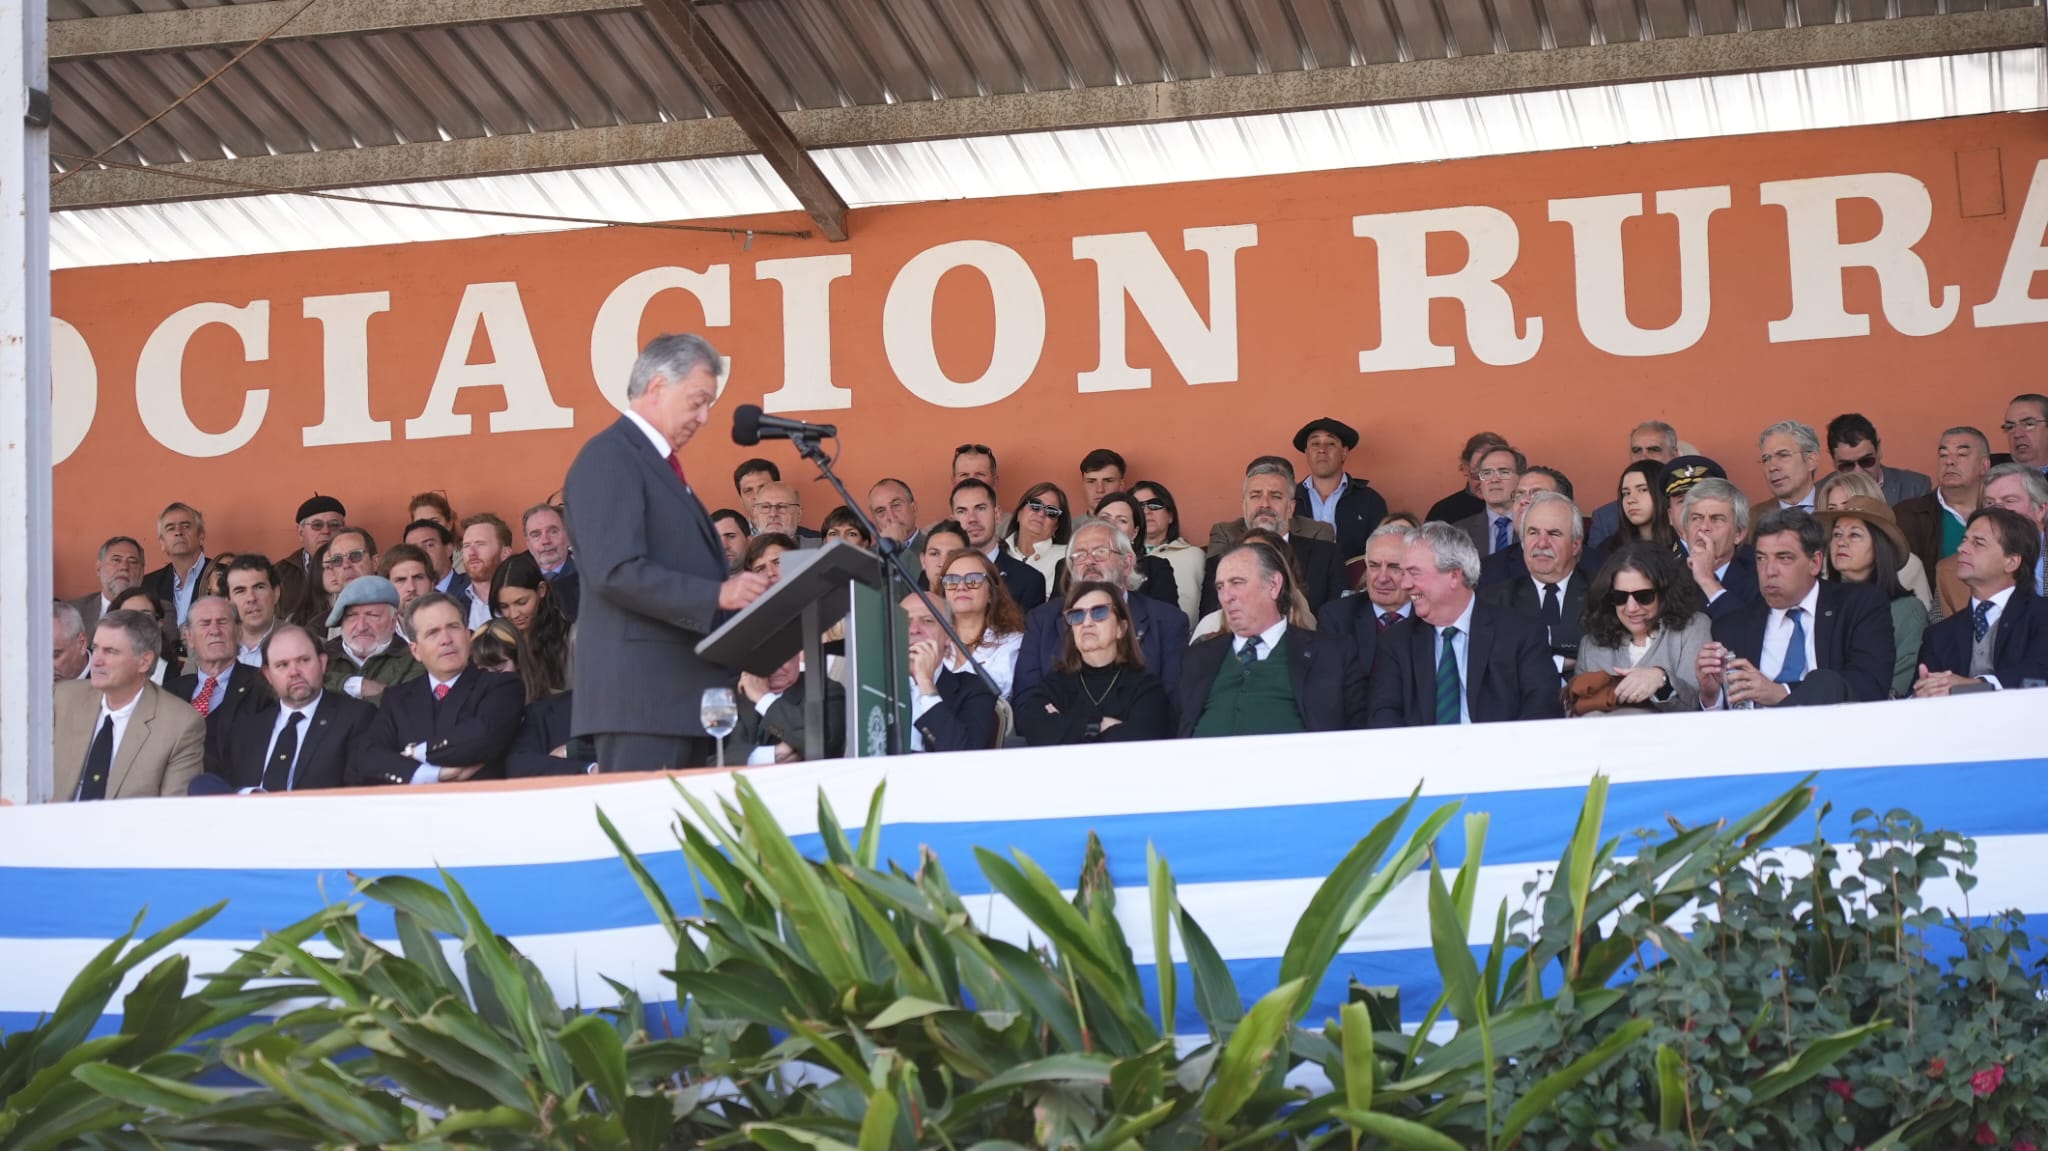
{"points": [[447, 656]]}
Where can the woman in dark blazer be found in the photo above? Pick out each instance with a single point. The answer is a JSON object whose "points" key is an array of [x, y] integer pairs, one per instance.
{"points": [[1099, 690]]}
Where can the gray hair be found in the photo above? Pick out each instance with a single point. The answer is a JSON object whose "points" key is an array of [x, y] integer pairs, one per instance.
{"points": [[219, 599], [140, 627], [2035, 484], [1713, 489], [1983, 441], [671, 357], [115, 542], [1451, 546], [198, 517], [1269, 467], [1669, 433], [1135, 579], [65, 618], [1809, 440], [1542, 498], [1388, 531]]}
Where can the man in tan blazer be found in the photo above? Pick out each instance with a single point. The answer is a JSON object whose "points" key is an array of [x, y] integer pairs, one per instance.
{"points": [[120, 736]]}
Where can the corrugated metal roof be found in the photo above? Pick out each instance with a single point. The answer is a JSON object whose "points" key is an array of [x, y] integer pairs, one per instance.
{"points": [[1094, 158]]}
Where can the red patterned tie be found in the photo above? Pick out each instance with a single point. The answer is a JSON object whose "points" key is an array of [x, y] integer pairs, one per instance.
{"points": [[675, 464], [204, 702], [440, 691]]}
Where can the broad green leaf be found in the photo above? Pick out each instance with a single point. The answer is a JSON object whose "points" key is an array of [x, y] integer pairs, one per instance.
{"points": [[1397, 1132], [1360, 1063], [819, 921], [1466, 889], [484, 1119], [1070, 1069], [1124, 1130], [1243, 1062], [906, 1009], [148, 1092], [429, 904], [1165, 908], [424, 950], [1543, 1094], [784, 1137], [1579, 867], [1670, 1090], [1447, 938], [878, 1127], [599, 1055], [908, 974], [642, 878], [1216, 994], [149, 1014], [868, 852], [1024, 974], [1811, 1060]]}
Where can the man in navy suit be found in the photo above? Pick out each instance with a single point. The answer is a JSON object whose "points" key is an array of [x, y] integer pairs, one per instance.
{"points": [[1459, 659], [1551, 588], [2002, 641], [303, 737], [974, 505], [454, 723], [219, 687], [547, 538], [1803, 641], [655, 568], [1264, 675], [1097, 551], [1712, 521], [949, 710], [1381, 602]]}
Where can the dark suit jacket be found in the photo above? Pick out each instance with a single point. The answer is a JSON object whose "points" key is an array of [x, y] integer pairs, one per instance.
{"points": [[475, 724], [655, 565], [326, 742], [1920, 519], [784, 721], [1518, 594], [1738, 584], [543, 728], [1852, 636], [1359, 510], [1026, 585], [1318, 561], [88, 606], [1356, 618], [964, 719], [292, 582], [1329, 686], [1478, 527], [247, 690], [568, 589], [2019, 652], [1162, 638], [1508, 672], [163, 583]]}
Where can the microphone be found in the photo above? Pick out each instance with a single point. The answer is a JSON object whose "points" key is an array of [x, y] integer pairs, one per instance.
{"points": [[750, 426]]}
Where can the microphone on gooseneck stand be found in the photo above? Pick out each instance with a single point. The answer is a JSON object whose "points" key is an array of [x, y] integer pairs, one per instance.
{"points": [[750, 425]]}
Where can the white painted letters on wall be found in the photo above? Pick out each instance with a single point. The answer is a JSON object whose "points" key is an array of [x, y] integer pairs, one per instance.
{"points": [[1129, 264], [160, 378], [615, 335], [515, 369], [1019, 324], [345, 369], [1600, 268], [1407, 287], [806, 333], [74, 390], [2027, 259], [1819, 256]]}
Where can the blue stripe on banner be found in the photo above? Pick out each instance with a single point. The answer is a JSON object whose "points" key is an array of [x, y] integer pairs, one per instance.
{"points": [[1235, 845]]}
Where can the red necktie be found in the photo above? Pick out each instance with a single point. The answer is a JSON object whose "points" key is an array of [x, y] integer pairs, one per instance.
{"points": [[440, 691], [204, 702], [675, 464]]}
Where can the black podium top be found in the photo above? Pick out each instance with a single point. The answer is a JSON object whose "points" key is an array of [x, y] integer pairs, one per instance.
{"points": [[765, 633]]}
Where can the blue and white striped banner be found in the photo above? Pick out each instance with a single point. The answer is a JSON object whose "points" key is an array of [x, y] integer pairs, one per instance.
{"points": [[1250, 827]]}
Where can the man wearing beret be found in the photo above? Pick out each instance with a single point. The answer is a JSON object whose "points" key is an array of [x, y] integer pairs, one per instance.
{"points": [[1330, 494], [319, 519], [368, 656]]}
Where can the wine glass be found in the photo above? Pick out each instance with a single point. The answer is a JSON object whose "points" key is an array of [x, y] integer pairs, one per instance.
{"points": [[720, 714]]}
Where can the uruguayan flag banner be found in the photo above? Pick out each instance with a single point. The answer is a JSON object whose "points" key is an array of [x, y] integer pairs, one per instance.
{"points": [[1250, 827]]}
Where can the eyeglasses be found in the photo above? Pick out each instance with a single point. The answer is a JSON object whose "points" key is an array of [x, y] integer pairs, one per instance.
{"points": [[323, 525], [1862, 463], [2025, 425], [1098, 613], [971, 581], [775, 509], [334, 560], [1644, 596], [1097, 553], [974, 450], [1153, 505], [1498, 473], [1053, 511]]}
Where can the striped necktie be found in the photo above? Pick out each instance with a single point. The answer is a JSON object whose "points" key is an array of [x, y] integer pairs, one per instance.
{"points": [[1447, 685]]}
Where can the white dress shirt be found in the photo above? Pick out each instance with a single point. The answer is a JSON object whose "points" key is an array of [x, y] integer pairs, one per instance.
{"points": [[219, 693], [1267, 639], [1461, 650], [252, 654], [284, 715], [121, 718], [184, 587], [997, 655], [1778, 636]]}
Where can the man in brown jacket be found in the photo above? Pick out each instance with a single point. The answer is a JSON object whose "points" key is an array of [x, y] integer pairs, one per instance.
{"points": [[118, 735]]}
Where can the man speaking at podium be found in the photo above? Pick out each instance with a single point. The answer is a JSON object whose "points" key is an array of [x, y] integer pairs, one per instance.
{"points": [[654, 574]]}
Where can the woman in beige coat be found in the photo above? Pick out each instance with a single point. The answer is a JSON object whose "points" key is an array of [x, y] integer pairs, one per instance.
{"points": [[1645, 624]]}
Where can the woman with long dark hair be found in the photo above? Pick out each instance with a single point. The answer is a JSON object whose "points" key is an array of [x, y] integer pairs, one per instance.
{"points": [[988, 619], [1163, 539], [1645, 623], [1039, 526], [1099, 690], [521, 596], [1644, 508], [1864, 546], [544, 745]]}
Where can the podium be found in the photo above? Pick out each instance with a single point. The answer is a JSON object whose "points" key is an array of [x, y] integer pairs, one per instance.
{"points": [[816, 591]]}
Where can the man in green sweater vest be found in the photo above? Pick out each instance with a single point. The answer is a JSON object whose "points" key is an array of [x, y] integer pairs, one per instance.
{"points": [[1263, 676]]}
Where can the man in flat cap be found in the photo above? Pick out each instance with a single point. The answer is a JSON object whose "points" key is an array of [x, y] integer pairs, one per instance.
{"points": [[319, 519], [1331, 495]]}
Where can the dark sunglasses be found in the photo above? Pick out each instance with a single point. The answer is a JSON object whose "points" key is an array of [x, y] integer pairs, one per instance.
{"points": [[1153, 505], [1055, 511], [1862, 463], [1098, 613], [1644, 596], [974, 450], [969, 580], [336, 559]]}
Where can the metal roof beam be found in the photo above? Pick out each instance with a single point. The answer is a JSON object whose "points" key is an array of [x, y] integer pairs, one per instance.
{"points": [[231, 25], [1619, 63]]}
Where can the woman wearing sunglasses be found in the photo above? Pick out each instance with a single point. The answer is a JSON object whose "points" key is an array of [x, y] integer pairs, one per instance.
{"points": [[1163, 539], [986, 617], [1099, 690], [1038, 529], [1645, 624]]}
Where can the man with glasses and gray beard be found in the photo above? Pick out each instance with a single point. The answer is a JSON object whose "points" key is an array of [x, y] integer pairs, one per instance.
{"points": [[1098, 552], [1269, 504]]}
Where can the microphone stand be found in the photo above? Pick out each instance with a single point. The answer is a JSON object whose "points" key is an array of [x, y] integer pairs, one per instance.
{"points": [[894, 573]]}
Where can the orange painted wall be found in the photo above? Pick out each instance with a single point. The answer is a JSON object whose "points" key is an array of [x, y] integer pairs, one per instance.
{"points": [[1308, 305]]}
